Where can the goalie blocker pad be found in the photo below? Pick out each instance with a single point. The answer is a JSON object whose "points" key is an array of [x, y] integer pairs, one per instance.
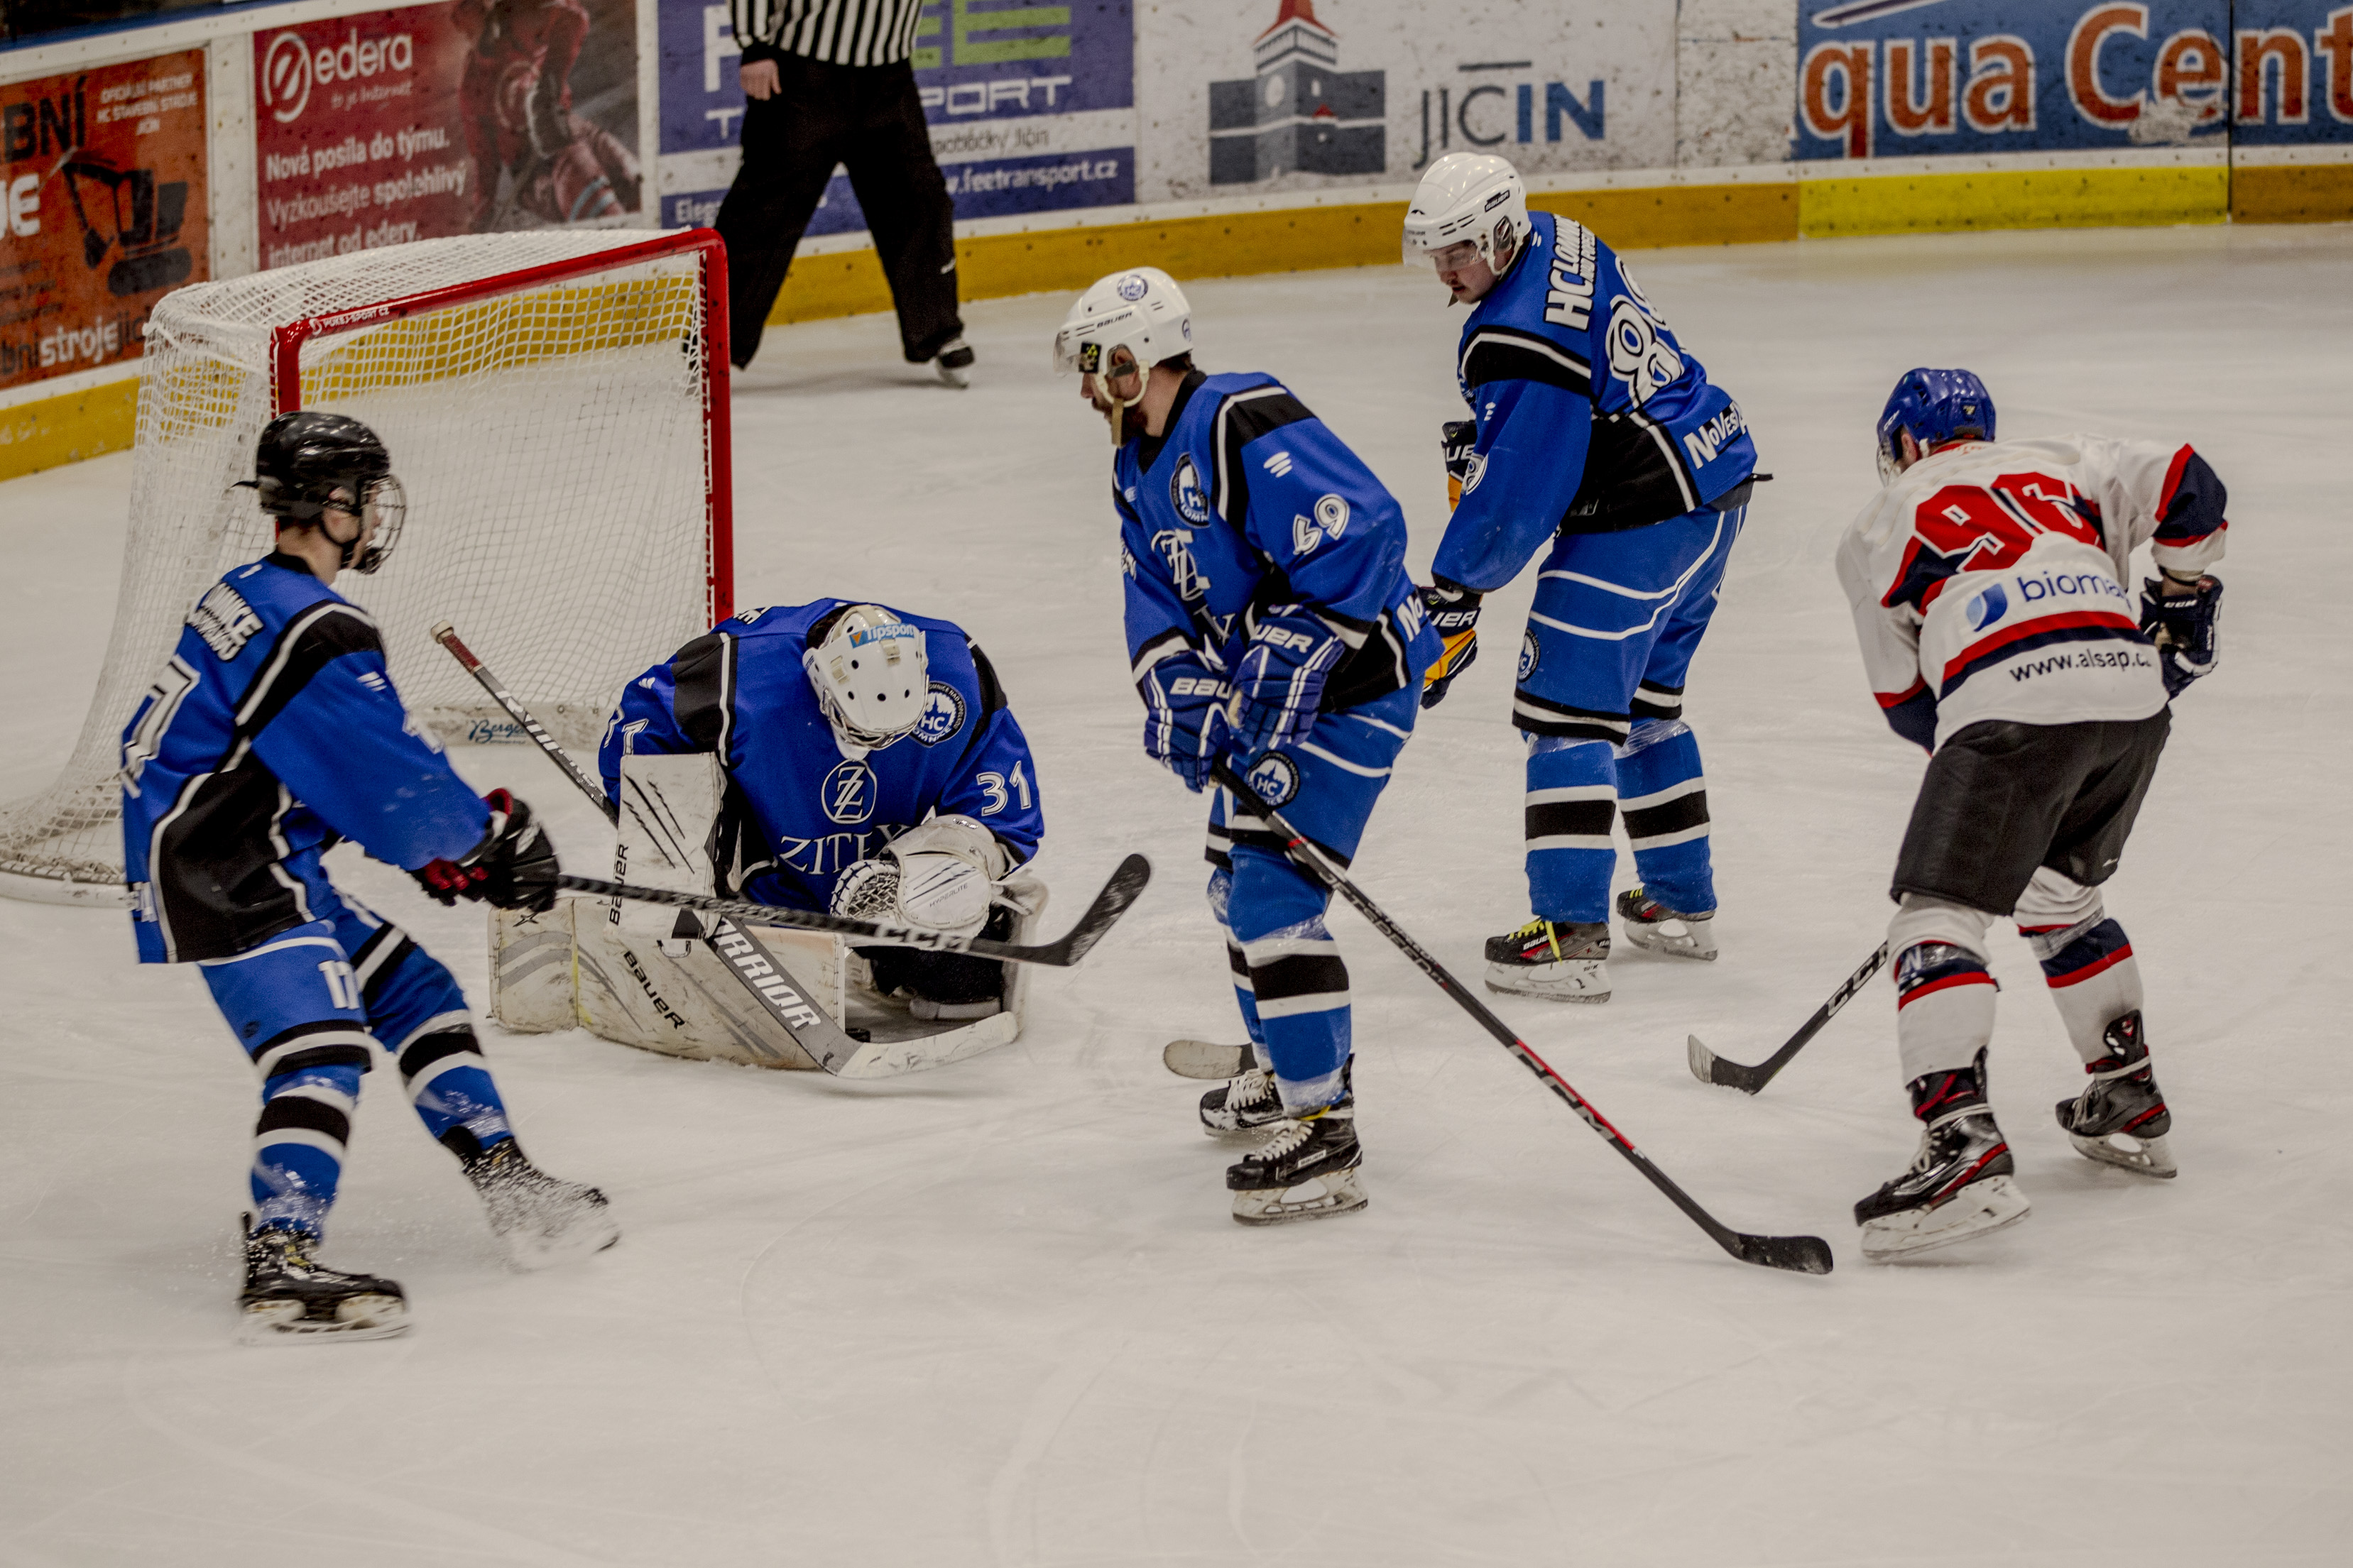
{"points": [[637, 975]]}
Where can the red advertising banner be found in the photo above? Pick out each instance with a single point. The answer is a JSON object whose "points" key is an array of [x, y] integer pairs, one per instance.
{"points": [[447, 119], [101, 210]]}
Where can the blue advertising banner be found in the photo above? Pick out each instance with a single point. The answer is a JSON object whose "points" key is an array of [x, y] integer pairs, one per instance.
{"points": [[1901, 78], [2291, 73], [1032, 108]]}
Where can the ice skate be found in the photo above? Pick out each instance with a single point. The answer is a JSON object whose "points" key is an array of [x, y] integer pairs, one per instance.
{"points": [[540, 1221], [1560, 960], [289, 1294], [1207, 1058], [1308, 1170], [1251, 1103], [1960, 1183], [954, 362], [2121, 1119], [1650, 925]]}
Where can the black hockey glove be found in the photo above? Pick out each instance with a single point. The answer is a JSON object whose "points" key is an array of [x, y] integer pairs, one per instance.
{"points": [[2185, 630], [514, 867], [1453, 610], [1458, 439]]}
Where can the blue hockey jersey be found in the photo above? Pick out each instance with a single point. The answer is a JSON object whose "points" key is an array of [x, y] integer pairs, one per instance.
{"points": [[1247, 505], [739, 691], [273, 730], [1591, 417]]}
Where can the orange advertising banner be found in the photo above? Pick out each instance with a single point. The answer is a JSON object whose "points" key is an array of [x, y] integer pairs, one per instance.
{"points": [[101, 210]]}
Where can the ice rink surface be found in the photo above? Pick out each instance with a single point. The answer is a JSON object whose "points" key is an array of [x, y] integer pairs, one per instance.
{"points": [[998, 1315]]}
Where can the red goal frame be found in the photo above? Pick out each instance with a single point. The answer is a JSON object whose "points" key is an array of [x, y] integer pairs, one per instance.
{"points": [[719, 539]]}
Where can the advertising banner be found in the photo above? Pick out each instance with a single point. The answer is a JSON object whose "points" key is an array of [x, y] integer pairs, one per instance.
{"points": [[102, 207], [2291, 73], [1243, 97], [447, 119], [1901, 78], [1032, 109]]}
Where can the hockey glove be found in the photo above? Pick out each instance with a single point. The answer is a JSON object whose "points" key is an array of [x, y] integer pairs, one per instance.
{"points": [[1279, 683], [1458, 439], [514, 867], [1453, 611], [1185, 717], [2185, 629]]}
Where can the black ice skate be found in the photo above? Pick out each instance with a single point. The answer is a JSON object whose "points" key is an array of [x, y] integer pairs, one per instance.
{"points": [[1252, 1102], [288, 1294], [1959, 1184], [2121, 1119], [953, 363], [1306, 1170], [1560, 960], [540, 1221], [1649, 925]]}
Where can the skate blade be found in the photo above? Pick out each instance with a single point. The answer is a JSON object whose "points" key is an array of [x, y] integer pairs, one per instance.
{"points": [[357, 1318], [2142, 1156], [1692, 941], [1207, 1059], [1243, 1135], [1979, 1209], [528, 1252], [1578, 981], [1335, 1193], [959, 379]]}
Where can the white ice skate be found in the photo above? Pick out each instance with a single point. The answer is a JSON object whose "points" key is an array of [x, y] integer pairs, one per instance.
{"points": [[1653, 927]]}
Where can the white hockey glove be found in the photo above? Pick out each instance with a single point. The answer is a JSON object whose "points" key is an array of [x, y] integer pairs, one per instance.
{"points": [[939, 876]]}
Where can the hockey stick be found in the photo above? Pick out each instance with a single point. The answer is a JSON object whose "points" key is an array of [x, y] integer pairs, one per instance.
{"points": [[1709, 1068], [1799, 1253], [761, 976], [1126, 886]]}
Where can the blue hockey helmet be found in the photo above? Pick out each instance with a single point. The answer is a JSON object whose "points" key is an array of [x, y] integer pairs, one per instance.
{"points": [[1935, 407]]}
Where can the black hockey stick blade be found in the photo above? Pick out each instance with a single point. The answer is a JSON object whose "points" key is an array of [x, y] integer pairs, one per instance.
{"points": [[1709, 1068], [1797, 1254], [1126, 886]]}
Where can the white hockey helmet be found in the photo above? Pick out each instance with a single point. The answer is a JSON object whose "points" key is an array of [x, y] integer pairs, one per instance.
{"points": [[1140, 311], [872, 675], [1467, 199]]}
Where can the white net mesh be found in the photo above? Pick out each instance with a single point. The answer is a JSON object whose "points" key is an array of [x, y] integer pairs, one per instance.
{"points": [[553, 444]]}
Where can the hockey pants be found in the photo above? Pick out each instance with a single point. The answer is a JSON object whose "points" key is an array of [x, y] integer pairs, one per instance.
{"points": [[309, 1005], [1288, 975], [1944, 996], [1608, 647]]}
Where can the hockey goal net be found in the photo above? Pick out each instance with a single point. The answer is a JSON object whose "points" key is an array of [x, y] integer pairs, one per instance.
{"points": [[556, 409]]}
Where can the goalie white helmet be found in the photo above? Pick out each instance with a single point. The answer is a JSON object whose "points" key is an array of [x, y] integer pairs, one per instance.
{"points": [[871, 676], [1467, 199], [1136, 317]]}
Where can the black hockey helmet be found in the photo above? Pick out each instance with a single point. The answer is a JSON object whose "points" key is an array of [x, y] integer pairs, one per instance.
{"points": [[308, 462]]}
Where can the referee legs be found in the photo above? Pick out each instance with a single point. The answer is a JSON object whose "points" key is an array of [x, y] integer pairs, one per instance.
{"points": [[907, 209]]}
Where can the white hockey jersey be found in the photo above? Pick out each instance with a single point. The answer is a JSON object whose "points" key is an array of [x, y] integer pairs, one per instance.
{"points": [[1989, 580]]}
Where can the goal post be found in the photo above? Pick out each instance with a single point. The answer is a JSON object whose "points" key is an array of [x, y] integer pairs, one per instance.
{"points": [[555, 405]]}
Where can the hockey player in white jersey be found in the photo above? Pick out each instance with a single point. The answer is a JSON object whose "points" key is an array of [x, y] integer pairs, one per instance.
{"points": [[1987, 584]]}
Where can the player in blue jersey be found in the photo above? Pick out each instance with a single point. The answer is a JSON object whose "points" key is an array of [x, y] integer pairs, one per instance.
{"points": [[875, 770], [273, 732], [1598, 439], [1270, 620]]}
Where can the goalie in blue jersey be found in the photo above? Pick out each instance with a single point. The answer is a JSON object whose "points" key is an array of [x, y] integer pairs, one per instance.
{"points": [[1596, 438], [272, 733], [1270, 620]]}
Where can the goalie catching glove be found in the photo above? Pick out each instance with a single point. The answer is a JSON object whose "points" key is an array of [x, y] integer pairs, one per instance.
{"points": [[1184, 725], [940, 874], [2183, 626], [514, 867], [1453, 612]]}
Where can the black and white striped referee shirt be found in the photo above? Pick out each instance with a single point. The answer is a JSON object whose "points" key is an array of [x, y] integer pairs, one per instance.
{"points": [[839, 32]]}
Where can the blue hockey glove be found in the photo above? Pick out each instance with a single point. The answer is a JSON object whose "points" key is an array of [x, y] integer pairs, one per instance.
{"points": [[1185, 717], [1453, 610], [2185, 630], [1280, 680]]}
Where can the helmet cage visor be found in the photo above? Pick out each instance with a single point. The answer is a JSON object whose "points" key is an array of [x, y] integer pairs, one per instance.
{"points": [[383, 508], [852, 672]]}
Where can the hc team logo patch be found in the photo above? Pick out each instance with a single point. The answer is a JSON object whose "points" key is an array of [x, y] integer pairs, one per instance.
{"points": [[1275, 779], [1527, 654], [847, 793], [1185, 492], [1989, 606], [1134, 287], [942, 714]]}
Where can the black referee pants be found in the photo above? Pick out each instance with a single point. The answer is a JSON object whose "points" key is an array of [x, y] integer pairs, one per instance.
{"points": [[869, 119]]}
